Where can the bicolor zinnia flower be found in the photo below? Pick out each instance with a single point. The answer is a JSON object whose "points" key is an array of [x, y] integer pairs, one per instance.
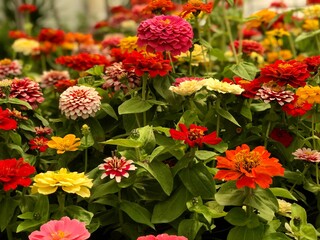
{"points": [[187, 85], [49, 78], [249, 46], [116, 168], [27, 8], [65, 228], [14, 173], [296, 108], [79, 102], [248, 168], [9, 68], [163, 236], [27, 90], [194, 135], [222, 87], [39, 143], [62, 85], [282, 136], [118, 78], [310, 94], [142, 63], [291, 72], [55, 36], [68, 143], [158, 7], [313, 63], [112, 40], [71, 182], [278, 94], [82, 61], [307, 154], [26, 46], [165, 33], [196, 7]]}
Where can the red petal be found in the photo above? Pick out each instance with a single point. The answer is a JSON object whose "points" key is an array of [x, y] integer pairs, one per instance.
{"points": [[246, 182]]}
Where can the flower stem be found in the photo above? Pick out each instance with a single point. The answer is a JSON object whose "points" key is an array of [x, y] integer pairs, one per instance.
{"points": [[120, 212], [217, 105], [171, 62], [9, 233], [86, 154], [306, 167], [267, 135], [143, 95], [61, 200]]}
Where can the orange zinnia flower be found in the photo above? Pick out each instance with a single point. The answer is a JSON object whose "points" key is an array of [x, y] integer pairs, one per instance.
{"points": [[248, 168], [195, 7]]}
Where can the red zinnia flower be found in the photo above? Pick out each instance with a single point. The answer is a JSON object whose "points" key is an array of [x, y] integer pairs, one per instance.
{"points": [[101, 24], [15, 34], [285, 72], [196, 7], [194, 135], [158, 7], [62, 85], [279, 4], [51, 35], [249, 46], [309, 2], [296, 108], [250, 87], [28, 8], [82, 61], [282, 136], [43, 130], [39, 143], [313, 63], [7, 123], [15, 172], [248, 168], [154, 64]]}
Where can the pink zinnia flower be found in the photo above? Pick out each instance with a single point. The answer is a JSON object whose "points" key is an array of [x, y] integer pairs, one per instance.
{"points": [[27, 90], [65, 228], [79, 102], [163, 236], [278, 94], [49, 78], [307, 154], [9, 68], [116, 168], [43, 130], [165, 33]]}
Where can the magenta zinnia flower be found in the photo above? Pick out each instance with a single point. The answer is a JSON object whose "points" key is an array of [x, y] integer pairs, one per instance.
{"points": [[307, 154], [116, 168], [165, 33], [79, 102], [9, 68], [49, 78], [65, 228], [163, 236]]}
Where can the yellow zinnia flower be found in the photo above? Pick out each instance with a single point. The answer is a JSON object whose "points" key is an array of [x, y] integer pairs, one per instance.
{"points": [[263, 16], [310, 94], [278, 33], [65, 144], [26, 46], [199, 55], [129, 44], [70, 182], [282, 54], [311, 24], [312, 11]]}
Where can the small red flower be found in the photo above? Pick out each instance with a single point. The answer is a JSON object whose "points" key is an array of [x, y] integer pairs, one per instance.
{"points": [[27, 8], [7, 123], [101, 24], [282, 136], [15, 34], [313, 63], [296, 108], [158, 7], [55, 36], [39, 143], [196, 7], [15, 172], [250, 87], [249, 46], [62, 85], [194, 135]]}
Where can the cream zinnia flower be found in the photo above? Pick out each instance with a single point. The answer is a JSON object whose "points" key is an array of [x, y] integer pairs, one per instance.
{"points": [[187, 86], [70, 182], [222, 87], [26, 46]]}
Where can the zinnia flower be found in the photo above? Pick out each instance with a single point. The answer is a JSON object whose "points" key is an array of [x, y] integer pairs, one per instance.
{"points": [[39, 143], [194, 135], [27, 90], [249, 46], [49, 78], [248, 168], [296, 108], [262, 17], [43, 130], [282, 136], [163, 236], [313, 63], [16, 34], [282, 72], [27, 8], [284, 207], [55, 36], [14, 173], [70, 182], [312, 11], [79, 102], [65, 228], [26, 46], [6, 122], [307, 154], [199, 54], [62, 85], [129, 44], [269, 94], [196, 7], [9, 68], [116, 168], [310, 94], [158, 7], [68, 143], [250, 87], [187, 86], [165, 33], [222, 87], [310, 24]]}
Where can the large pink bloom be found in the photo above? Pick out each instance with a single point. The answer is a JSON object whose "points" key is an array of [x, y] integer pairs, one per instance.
{"points": [[65, 229], [163, 236], [165, 33]]}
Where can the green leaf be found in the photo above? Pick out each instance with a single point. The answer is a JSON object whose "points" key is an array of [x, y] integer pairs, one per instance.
{"points": [[205, 43], [27, 125], [7, 209], [198, 181], [225, 114], [205, 155], [104, 189], [107, 108], [79, 213], [282, 192], [15, 138], [19, 102], [308, 232], [136, 212], [246, 233], [276, 236], [189, 228], [147, 138], [245, 70], [96, 70], [87, 141], [307, 35], [41, 118], [260, 107], [124, 142], [230, 195], [170, 209], [161, 172], [246, 111], [237, 217], [218, 53], [134, 105], [298, 212], [28, 224]]}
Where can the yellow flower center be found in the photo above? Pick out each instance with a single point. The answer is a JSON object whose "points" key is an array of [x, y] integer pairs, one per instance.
{"points": [[284, 65], [165, 22], [247, 160], [195, 3], [194, 134], [58, 235], [5, 61]]}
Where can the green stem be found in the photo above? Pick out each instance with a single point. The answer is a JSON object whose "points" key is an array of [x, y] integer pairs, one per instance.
{"points": [[138, 153], [249, 209], [120, 212], [267, 135], [143, 95], [317, 173], [171, 62], [86, 154], [137, 120], [200, 38], [61, 200], [190, 65], [218, 116], [43, 62], [292, 47], [306, 167], [9, 233]]}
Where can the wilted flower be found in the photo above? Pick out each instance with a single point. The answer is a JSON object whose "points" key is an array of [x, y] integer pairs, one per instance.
{"points": [[116, 168], [163, 236], [194, 135], [70, 182], [26, 46], [165, 33], [14, 173], [79, 102], [9, 68], [68, 143], [65, 228], [248, 168], [222, 87], [307, 154], [187, 85], [39, 143], [49, 78]]}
